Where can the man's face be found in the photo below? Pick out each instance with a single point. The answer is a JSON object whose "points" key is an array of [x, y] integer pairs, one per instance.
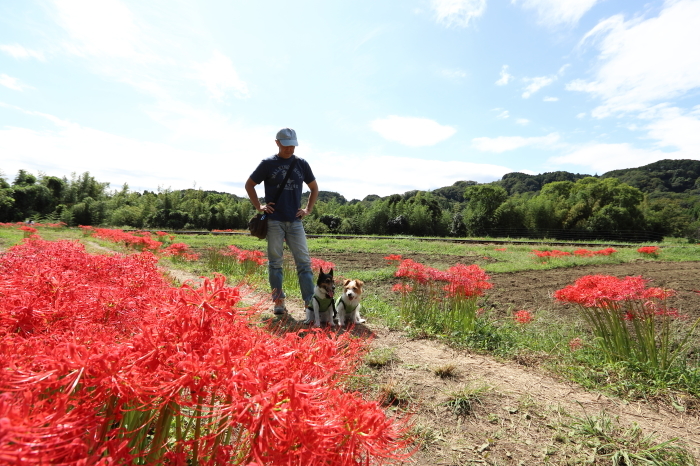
{"points": [[285, 151]]}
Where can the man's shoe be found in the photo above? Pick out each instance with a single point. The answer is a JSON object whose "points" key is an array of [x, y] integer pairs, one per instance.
{"points": [[279, 308]]}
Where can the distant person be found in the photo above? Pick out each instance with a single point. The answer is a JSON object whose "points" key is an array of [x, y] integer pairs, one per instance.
{"points": [[284, 217]]}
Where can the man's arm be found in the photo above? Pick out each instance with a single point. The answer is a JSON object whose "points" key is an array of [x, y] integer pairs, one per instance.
{"points": [[313, 186], [253, 196]]}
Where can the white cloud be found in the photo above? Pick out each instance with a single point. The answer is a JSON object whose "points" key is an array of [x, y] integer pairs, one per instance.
{"points": [[412, 131], [508, 143], [522, 121], [454, 75], [672, 132], [556, 12], [602, 158], [457, 12], [406, 173], [104, 28], [536, 84], [13, 83], [68, 147], [503, 115], [644, 61], [505, 76], [219, 75], [551, 99], [17, 51], [581, 115]]}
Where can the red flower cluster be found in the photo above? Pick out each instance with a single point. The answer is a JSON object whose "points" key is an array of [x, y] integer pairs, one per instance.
{"points": [[523, 317], [243, 255], [142, 241], [609, 291], [318, 264], [104, 363], [651, 250], [180, 250], [393, 257], [600, 252], [552, 253], [462, 280]]}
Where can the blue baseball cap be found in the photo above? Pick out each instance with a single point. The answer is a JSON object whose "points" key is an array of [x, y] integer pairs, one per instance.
{"points": [[287, 137]]}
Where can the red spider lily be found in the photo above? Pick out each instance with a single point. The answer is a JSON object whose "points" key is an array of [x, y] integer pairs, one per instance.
{"points": [[466, 280], [105, 363], [318, 264], [523, 317], [500, 249], [630, 321], [402, 288], [600, 252], [393, 257], [605, 291], [244, 255], [650, 250], [575, 344], [552, 253], [180, 250]]}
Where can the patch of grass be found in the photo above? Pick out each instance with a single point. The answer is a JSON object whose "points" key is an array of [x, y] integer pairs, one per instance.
{"points": [[607, 441], [380, 357], [446, 371], [461, 402], [425, 436], [393, 393]]}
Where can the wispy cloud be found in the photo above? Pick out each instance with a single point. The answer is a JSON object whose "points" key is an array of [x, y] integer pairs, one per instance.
{"points": [[508, 143], [522, 121], [536, 84], [672, 132], [13, 83], [453, 74], [551, 99], [556, 12], [457, 12], [412, 131], [219, 75], [643, 62], [505, 76], [503, 115], [18, 51]]}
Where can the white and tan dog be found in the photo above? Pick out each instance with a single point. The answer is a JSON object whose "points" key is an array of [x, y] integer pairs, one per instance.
{"points": [[348, 307]]}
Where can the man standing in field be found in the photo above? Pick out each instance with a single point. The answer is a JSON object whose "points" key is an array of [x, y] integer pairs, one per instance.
{"points": [[284, 217]]}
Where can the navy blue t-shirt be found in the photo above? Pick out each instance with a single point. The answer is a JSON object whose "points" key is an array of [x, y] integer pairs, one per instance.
{"points": [[272, 171]]}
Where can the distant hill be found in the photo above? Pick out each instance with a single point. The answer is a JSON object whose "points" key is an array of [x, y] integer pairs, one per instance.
{"points": [[677, 176], [667, 175]]}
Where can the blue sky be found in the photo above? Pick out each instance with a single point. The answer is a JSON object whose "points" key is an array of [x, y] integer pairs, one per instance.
{"points": [[385, 96]]}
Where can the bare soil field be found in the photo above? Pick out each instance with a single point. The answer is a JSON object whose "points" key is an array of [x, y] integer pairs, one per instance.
{"points": [[523, 415]]}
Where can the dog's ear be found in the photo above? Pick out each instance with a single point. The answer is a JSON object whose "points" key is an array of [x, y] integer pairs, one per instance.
{"points": [[347, 280], [321, 270], [360, 283], [330, 272]]}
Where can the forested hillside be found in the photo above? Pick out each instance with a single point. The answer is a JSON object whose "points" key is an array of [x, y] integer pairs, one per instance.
{"points": [[644, 203]]}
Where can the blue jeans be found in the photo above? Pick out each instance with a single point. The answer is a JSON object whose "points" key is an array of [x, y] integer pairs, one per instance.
{"points": [[294, 234]]}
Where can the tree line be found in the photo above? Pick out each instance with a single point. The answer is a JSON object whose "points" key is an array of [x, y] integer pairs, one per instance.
{"points": [[660, 199]]}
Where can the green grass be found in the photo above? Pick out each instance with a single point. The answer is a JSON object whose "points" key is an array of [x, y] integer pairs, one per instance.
{"points": [[606, 440]]}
